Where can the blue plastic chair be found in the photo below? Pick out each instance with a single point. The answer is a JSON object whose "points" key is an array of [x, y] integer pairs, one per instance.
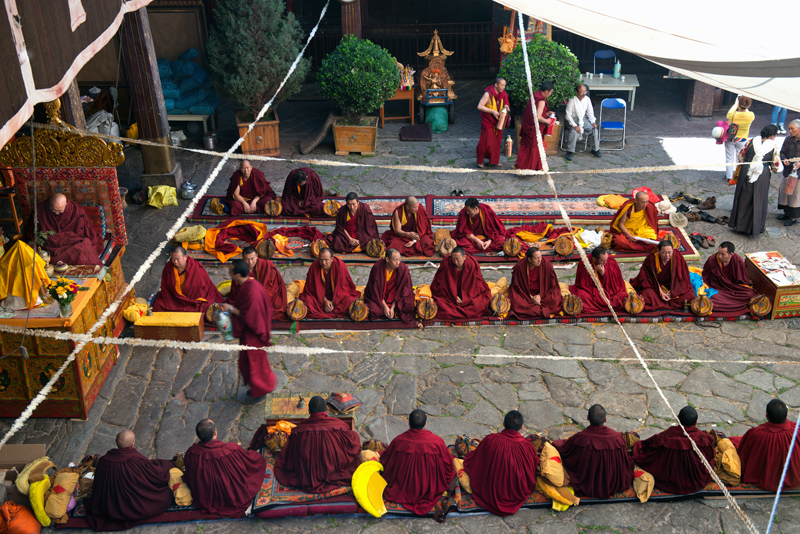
{"points": [[604, 54], [618, 110]]}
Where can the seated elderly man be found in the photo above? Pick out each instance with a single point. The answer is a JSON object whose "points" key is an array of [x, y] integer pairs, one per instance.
{"points": [[636, 218], [478, 228], [248, 191], [534, 290], [581, 121], [74, 240], [223, 477], [725, 272], [410, 232], [329, 289], [128, 488], [458, 288], [185, 286], [389, 293], [302, 194], [610, 276], [322, 453], [663, 281], [269, 277], [355, 226]]}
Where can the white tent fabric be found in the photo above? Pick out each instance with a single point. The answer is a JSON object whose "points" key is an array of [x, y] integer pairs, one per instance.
{"points": [[737, 45]]}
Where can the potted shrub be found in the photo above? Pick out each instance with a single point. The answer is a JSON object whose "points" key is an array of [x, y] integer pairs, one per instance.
{"points": [[250, 49], [359, 76]]}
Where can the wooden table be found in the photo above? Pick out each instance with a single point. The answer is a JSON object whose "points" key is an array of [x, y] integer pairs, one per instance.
{"points": [[785, 299], [609, 83], [401, 94]]}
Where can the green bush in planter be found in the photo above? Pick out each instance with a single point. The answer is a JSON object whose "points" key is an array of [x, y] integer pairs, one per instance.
{"points": [[250, 49], [550, 62], [359, 76]]}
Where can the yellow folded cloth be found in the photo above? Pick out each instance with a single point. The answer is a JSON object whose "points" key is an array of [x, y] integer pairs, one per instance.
{"points": [[294, 290], [133, 312], [176, 319], [190, 233], [611, 201], [422, 292], [161, 195]]}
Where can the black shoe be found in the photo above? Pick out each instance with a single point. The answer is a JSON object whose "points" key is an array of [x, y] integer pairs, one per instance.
{"points": [[790, 222], [673, 198], [782, 217], [597, 153], [683, 208], [568, 156], [707, 217]]}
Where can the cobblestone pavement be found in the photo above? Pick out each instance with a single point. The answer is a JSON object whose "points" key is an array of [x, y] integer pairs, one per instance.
{"points": [[467, 378]]}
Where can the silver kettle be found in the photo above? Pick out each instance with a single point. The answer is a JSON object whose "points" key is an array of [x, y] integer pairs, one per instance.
{"points": [[188, 190]]}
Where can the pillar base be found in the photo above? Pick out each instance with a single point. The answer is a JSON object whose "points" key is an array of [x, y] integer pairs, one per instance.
{"points": [[171, 179]]}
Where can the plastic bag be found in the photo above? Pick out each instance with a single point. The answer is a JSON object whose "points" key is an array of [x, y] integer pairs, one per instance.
{"points": [[197, 80], [183, 68], [170, 89], [437, 117], [100, 119], [206, 107], [195, 97], [162, 195], [169, 104], [164, 68]]}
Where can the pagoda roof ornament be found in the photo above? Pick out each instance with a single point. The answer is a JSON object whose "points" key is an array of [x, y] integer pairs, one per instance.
{"points": [[435, 49]]}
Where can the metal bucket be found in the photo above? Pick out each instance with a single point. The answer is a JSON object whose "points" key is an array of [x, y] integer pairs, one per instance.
{"points": [[210, 141]]}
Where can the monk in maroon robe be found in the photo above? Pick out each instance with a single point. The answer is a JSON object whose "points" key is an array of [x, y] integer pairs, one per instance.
{"points": [[528, 152], [635, 218], [725, 272], [492, 102], [128, 488], [302, 194], [663, 282], [265, 272], [417, 467], [410, 230], [478, 228], [329, 289], [251, 319], [322, 453], [223, 477], [458, 288], [669, 456], [534, 290], [502, 468], [75, 241], [185, 286], [763, 451], [596, 458], [248, 191], [389, 293], [608, 272], [355, 226]]}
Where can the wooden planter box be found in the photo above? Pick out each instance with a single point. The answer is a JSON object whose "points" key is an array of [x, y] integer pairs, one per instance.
{"points": [[355, 138], [551, 141], [263, 140]]}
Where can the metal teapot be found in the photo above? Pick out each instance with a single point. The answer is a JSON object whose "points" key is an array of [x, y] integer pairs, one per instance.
{"points": [[188, 190]]}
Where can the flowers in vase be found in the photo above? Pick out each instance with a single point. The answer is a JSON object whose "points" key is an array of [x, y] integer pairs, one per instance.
{"points": [[64, 290]]}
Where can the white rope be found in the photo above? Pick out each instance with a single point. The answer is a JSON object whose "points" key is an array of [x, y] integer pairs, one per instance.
{"points": [[596, 281], [42, 395]]}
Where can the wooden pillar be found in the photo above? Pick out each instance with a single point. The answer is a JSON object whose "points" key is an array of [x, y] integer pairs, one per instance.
{"points": [[351, 18], [699, 100], [71, 104]]}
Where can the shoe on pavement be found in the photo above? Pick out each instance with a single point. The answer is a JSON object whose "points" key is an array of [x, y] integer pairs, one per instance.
{"points": [[708, 204], [781, 129], [597, 153], [568, 156], [790, 222]]}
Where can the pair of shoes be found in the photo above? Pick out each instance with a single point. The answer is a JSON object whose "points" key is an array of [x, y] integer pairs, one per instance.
{"points": [[790, 222], [676, 196], [708, 204], [691, 199], [568, 156], [723, 220], [683, 208], [781, 129], [692, 216], [597, 153], [697, 240], [782, 217], [707, 217]]}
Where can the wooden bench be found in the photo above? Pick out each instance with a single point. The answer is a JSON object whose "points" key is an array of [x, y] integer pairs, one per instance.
{"points": [[193, 118]]}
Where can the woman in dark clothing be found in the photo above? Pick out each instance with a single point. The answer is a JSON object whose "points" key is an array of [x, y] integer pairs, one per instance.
{"points": [[789, 202], [751, 199]]}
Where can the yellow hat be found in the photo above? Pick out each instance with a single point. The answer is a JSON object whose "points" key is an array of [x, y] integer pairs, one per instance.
{"points": [[368, 486]]}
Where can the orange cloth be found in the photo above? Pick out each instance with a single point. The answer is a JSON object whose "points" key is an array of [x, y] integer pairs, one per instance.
{"points": [[211, 238]]}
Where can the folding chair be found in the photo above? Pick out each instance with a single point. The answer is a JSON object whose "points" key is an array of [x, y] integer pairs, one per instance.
{"points": [[565, 130], [603, 55], [616, 109]]}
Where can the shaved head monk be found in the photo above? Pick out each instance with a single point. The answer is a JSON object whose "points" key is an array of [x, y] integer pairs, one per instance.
{"points": [[502, 468], [610, 276], [596, 458], [478, 228], [185, 286], [725, 272], [389, 293], [322, 453], [410, 231], [763, 451], [355, 226], [223, 477], [635, 218], [417, 466], [302, 194], [248, 191], [534, 290], [128, 488], [663, 281], [458, 288], [329, 289], [270, 278], [669, 457], [74, 239]]}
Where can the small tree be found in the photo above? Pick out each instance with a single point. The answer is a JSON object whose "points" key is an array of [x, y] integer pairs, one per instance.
{"points": [[250, 49], [359, 76], [550, 62]]}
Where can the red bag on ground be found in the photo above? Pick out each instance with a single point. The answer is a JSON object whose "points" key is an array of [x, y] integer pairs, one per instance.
{"points": [[16, 519], [652, 197]]}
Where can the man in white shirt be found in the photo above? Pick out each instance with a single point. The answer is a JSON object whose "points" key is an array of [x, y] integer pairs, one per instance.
{"points": [[580, 118]]}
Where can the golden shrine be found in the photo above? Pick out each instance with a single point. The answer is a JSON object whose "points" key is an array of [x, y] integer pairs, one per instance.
{"points": [[435, 75]]}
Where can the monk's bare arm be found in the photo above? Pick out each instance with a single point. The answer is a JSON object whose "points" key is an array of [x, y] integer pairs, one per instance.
{"points": [[482, 106], [238, 197], [539, 113]]}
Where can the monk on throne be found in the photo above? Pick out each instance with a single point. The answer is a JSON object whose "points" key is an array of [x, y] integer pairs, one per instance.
{"points": [[185, 286], [410, 232], [71, 237], [635, 218]]}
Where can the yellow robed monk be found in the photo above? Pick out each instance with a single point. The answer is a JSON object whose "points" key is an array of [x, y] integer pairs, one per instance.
{"points": [[636, 218], [21, 284]]}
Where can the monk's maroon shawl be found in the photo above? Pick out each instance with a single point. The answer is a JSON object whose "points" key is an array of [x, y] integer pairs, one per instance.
{"points": [[613, 284], [520, 292], [252, 326], [403, 291], [732, 282], [365, 226], [669, 457], [344, 290], [449, 283], [421, 224], [310, 194], [271, 280], [486, 224], [75, 241], [196, 285], [763, 452]]}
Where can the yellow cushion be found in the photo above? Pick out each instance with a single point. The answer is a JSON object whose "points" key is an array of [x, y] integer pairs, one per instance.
{"points": [[176, 319], [133, 312], [463, 477], [611, 201], [58, 500], [183, 497], [551, 467], [190, 233]]}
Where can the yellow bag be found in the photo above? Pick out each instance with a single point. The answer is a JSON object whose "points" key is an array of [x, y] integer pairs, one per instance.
{"points": [[463, 477], [183, 497], [501, 286], [57, 501], [133, 131], [190, 233], [550, 466], [643, 483], [367, 456], [162, 195], [134, 311], [727, 463]]}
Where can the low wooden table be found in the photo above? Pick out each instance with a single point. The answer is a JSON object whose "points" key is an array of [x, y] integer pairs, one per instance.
{"points": [[401, 94], [785, 299]]}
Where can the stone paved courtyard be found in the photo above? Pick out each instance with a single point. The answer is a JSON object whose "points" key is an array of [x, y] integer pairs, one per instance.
{"points": [[467, 378]]}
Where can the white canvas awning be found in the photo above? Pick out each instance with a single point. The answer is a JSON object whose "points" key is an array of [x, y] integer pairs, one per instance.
{"points": [[739, 46]]}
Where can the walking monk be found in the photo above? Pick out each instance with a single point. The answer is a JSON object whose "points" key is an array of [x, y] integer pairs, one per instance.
{"points": [[265, 272], [725, 272], [248, 191], [389, 293], [502, 469], [492, 102], [478, 228], [534, 290], [252, 322], [635, 218], [610, 276], [528, 152], [74, 241], [663, 281], [322, 453], [185, 286], [355, 226], [410, 232], [302, 194], [329, 289], [458, 288]]}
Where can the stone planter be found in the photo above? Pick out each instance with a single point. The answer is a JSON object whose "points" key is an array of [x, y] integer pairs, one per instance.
{"points": [[355, 138], [263, 140]]}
